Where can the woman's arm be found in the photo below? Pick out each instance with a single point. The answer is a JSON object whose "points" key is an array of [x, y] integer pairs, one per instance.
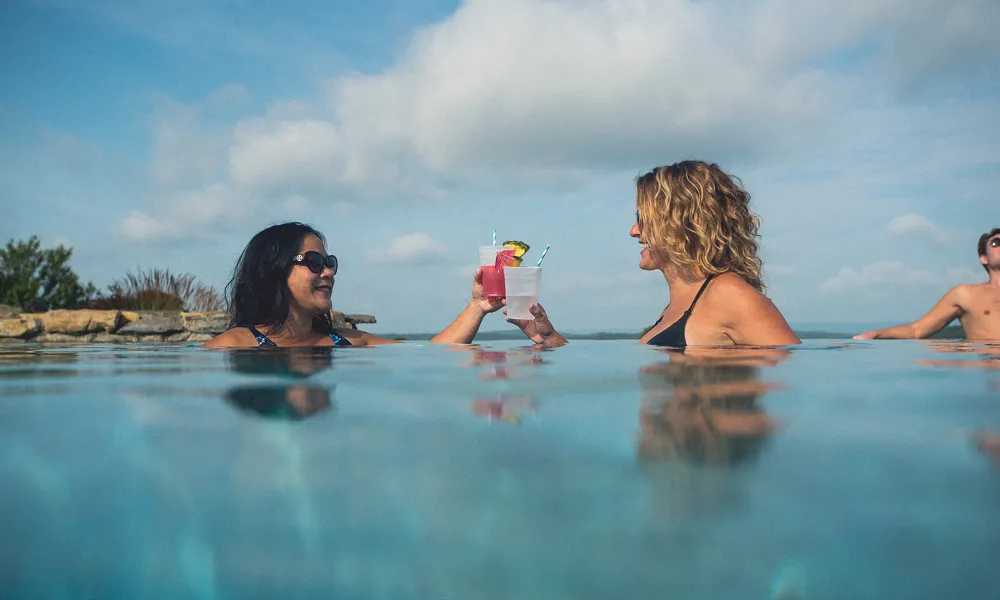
{"points": [[362, 338], [465, 327]]}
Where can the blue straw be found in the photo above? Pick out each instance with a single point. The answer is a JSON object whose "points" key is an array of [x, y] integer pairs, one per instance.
{"points": [[494, 237], [542, 257]]}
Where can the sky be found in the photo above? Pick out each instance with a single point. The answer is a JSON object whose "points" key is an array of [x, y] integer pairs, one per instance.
{"points": [[164, 135]]}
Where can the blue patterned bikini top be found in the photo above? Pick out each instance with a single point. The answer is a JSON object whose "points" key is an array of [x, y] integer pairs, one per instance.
{"points": [[264, 342]]}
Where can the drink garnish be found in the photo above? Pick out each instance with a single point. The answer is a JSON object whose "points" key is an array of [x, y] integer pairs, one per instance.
{"points": [[520, 249], [504, 258]]}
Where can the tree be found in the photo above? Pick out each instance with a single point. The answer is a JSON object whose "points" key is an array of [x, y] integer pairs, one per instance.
{"points": [[36, 279]]}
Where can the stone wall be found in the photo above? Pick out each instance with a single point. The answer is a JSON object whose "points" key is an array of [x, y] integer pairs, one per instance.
{"points": [[114, 326]]}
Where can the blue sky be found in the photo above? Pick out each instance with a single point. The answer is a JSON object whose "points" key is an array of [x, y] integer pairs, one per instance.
{"points": [[166, 134]]}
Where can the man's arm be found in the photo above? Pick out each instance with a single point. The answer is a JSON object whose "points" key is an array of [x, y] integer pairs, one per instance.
{"points": [[945, 311]]}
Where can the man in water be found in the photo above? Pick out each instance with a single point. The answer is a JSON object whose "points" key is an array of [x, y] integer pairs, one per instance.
{"points": [[975, 305]]}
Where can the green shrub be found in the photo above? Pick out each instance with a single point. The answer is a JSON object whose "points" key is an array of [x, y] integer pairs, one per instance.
{"points": [[157, 289], [38, 280]]}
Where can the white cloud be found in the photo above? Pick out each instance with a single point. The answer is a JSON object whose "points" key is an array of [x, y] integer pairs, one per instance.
{"points": [[139, 227], [184, 214], [530, 85], [917, 224], [297, 154], [534, 91], [186, 152], [894, 276], [408, 249]]}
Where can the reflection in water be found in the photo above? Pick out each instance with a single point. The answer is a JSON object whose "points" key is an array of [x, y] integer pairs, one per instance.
{"points": [[989, 444], [508, 409], [705, 409], [36, 363], [278, 402], [986, 357], [281, 400], [499, 365], [701, 408]]}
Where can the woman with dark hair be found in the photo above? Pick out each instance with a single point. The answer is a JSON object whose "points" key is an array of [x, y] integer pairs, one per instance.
{"points": [[694, 225], [280, 295]]}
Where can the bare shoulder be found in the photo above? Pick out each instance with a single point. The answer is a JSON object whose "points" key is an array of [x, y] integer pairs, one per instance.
{"points": [[237, 337], [965, 293], [746, 315], [730, 291]]}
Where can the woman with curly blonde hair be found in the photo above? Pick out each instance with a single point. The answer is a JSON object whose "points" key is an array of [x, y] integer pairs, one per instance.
{"points": [[694, 224]]}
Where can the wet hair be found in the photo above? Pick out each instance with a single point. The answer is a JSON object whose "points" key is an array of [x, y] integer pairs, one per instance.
{"points": [[694, 215], [258, 292], [982, 243]]}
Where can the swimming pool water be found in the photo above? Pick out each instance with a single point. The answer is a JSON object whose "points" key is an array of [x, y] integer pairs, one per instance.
{"points": [[603, 469]]}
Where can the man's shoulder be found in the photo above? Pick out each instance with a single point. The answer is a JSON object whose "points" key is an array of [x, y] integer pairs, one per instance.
{"points": [[969, 292]]}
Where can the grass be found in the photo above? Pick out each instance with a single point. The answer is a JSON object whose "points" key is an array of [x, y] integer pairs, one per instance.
{"points": [[159, 289]]}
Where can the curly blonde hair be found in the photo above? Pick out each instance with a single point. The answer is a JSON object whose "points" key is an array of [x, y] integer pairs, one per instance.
{"points": [[693, 215]]}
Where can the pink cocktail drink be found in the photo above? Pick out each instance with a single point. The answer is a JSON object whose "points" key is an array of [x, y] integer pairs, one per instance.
{"points": [[493, 282], [492, 259]]}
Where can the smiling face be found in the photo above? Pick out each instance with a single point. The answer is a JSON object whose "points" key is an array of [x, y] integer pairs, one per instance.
{"points": [[646, 261], [311, 292]]}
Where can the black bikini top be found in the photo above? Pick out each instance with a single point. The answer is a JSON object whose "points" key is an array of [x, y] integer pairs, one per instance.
{"points": [[673, 336]]}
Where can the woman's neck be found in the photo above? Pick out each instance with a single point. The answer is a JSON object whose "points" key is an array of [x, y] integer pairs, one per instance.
{"points": [[682, 279], [298, 325]]}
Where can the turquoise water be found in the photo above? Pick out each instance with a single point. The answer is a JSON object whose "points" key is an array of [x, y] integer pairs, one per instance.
{"points": [[603, 469]]}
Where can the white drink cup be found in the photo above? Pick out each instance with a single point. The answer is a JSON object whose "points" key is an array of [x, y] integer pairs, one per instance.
{"points": [[522, 285], [488, 255]]}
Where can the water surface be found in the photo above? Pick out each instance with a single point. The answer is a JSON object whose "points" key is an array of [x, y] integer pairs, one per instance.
{"points": [[603, 469]]}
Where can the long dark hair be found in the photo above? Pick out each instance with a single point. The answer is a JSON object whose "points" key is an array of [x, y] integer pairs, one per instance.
{"points": [[258, 293]]}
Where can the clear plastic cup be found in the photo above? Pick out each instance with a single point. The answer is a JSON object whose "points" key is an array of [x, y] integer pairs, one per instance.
{"points": [[522, 286]]}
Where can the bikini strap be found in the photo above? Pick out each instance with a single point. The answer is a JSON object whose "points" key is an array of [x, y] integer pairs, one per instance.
{"points": [[262, 340], [700, 291]]}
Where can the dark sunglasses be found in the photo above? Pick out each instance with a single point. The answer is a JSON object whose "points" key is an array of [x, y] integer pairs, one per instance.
{"points": [[638, 221], [995, 242], [316, 261]]}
